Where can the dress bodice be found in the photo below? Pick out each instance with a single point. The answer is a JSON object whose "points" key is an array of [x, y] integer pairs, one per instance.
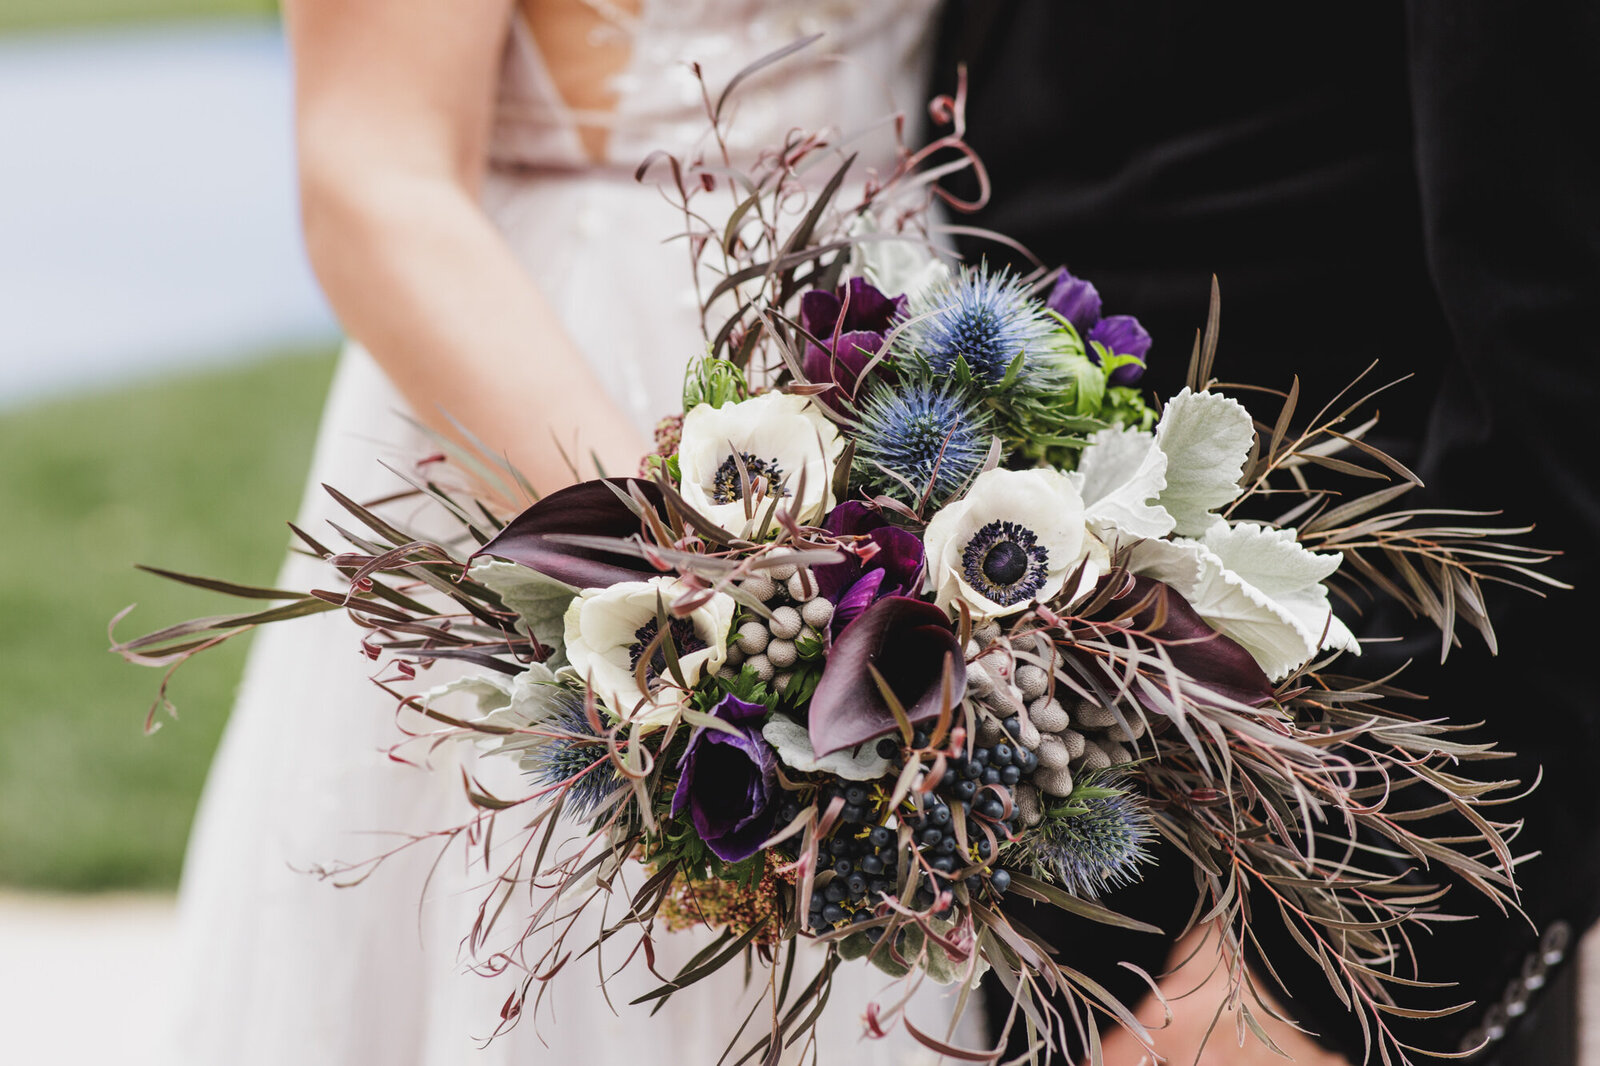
{"points": [[602, 247], [870, 62]]}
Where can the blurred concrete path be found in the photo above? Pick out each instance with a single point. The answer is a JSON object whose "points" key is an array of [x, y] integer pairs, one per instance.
{"points": [[84, 979], [147, 212]]}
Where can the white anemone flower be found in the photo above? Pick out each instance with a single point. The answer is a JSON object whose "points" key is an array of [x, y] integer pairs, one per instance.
{"points": [[775, 437], [1013, 539], [608, 631], [1256, 585]]}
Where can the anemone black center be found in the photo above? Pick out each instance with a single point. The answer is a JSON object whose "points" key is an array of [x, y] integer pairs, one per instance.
{"points": [[1005, 562], [727, 485], [679, 630]]}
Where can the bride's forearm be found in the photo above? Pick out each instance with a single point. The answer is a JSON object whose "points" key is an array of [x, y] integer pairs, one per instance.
{"points": [[418, 274]]}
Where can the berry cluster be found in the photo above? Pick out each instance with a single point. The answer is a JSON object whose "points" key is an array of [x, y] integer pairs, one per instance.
{"points": [[862, 856], [970, 805], [975, 794]]}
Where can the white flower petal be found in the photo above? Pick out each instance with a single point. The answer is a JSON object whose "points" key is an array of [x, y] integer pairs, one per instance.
{"points": [[1272, 635], [775, 427], [1041, 500], [540, 602], [1206, 438], [1310, 606], [1120, 475], [515, 702], [601, 627], [492, 693], [792, 742], [1270, 559]]}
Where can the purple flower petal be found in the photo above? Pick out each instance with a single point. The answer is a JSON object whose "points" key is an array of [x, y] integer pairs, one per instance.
{"points": [[731, 807], [857, 598], [850, 519], [894, 570], [842, 366], [870, 309], [589, 508], [853, 518], [1075, 300], [1123, 335], [819, 313], [1215, 662], [860, 315], [909, 643], [900, 555], [727, 783]]}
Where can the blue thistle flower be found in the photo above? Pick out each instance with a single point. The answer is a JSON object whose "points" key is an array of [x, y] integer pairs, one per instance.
{"points": [[985, 318], [920, 431], [1093, 845], [568, 749]]}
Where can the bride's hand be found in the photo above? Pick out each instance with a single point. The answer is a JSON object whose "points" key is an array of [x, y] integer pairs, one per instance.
{"points": [[393, 111]]}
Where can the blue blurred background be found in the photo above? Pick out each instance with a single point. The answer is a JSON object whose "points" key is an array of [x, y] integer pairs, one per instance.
{"points": [[163, 355]]}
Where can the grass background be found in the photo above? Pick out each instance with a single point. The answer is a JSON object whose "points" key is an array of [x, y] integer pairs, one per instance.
{"points": [[43, 14], [197, 473]]}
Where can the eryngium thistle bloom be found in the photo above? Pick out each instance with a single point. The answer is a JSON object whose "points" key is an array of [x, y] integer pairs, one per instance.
{"points": [[985, 318], [569, 750], [1093, 845], [919, 432]]}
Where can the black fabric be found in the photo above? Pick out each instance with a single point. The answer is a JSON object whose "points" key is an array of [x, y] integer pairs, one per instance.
{"points": [[1417, 184]]}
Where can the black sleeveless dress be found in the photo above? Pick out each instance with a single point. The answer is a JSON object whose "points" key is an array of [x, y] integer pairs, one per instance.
{"points": [[1413, 183]]}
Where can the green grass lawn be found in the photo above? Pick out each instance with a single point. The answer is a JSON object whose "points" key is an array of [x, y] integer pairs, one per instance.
{"points": [[40, 14], [198, 473]]}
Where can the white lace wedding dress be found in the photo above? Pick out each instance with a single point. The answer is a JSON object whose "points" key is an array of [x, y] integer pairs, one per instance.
{"points": [[280, 968]]}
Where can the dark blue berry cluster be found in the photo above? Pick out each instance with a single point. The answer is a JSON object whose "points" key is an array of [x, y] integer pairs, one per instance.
{"points": [[975, 794], [971, 805], [862, 856]]}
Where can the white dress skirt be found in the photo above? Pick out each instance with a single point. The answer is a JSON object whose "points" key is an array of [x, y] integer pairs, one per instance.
{"points": [[279, 967]]}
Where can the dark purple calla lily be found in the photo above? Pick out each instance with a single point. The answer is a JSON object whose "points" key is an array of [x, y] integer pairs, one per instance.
{"points": [[727, 783], [895, 568], [861, 317], [909, 643], [590, 509], [1215, 662], [1078, 301]]}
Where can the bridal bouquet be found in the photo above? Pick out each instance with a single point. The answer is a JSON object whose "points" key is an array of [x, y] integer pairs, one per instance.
{"points": [[922, 606]]}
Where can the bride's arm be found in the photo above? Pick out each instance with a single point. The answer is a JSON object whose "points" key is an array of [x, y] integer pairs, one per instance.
{"points": [[393, 108]]}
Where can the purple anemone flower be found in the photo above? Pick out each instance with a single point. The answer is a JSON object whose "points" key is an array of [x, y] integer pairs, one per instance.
{"points": [[852, 323], [1078, 301], [728, 782], [895, 569], [1123, 335]]}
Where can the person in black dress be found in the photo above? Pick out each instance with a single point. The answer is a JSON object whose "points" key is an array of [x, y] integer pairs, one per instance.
{"points": [[1415, 183]]}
